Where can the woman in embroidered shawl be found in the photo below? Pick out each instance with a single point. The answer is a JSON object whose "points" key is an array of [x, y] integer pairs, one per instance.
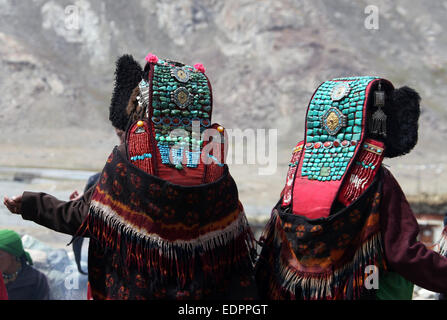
{"points": [[164, 219], [343, 228]]}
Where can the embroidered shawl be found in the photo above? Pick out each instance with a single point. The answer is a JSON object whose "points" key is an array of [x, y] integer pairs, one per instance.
{"points": [[153, 239], [325, 258]]}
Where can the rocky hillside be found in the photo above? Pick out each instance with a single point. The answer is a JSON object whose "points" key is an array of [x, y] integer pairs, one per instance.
{"points": [[264, 59]]}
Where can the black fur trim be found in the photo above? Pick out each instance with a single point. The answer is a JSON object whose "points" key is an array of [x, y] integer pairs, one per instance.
{"points": [[402, 122], [128, 74]]}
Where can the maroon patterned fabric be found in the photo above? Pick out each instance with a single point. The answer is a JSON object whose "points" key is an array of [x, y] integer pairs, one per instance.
{"points": [[152, 239]]}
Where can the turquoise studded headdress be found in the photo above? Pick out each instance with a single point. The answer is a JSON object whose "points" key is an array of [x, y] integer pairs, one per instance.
{"points": [[174, 108], [181, 97], [336, 128], [336, 124]]}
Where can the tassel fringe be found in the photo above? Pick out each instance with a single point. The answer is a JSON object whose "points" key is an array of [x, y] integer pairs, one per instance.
{"points": [[334, 284], [219, 251]]}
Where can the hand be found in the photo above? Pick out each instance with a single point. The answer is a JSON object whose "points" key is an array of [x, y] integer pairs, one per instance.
{"points": [[75, 195], [13, 204]]}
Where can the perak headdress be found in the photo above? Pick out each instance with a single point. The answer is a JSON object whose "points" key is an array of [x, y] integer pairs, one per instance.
{"points": [[351, 124], [168, 107]]}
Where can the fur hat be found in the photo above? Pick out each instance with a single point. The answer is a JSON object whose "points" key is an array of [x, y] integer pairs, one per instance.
{"points": [[402, 110], [128, 74]]}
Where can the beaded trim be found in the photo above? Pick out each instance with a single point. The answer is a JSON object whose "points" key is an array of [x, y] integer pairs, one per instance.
{"points": [[366, 166], [215, 160], [141, 157], [372, 148]]}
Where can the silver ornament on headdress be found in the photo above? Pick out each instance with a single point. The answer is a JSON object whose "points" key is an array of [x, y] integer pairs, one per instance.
{"points": [[378, 119], [143, 97]]}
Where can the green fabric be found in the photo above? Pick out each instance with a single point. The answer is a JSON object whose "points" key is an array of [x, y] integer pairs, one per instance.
{"points": [[10, 242], [393, 286]]}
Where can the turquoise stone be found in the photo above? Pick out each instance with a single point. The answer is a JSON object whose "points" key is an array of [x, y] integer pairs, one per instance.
{"points": [[336, 158]]}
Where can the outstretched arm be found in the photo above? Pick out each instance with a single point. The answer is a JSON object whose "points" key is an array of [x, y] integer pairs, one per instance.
{"points": [[50, 212], [405, 255]]}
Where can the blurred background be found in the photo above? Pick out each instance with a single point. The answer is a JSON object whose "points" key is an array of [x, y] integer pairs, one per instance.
{"points": [[264, 59]]}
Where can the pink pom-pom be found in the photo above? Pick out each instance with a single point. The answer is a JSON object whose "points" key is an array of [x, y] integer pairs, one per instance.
{"points": [[199, 67], [152, 58]]}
